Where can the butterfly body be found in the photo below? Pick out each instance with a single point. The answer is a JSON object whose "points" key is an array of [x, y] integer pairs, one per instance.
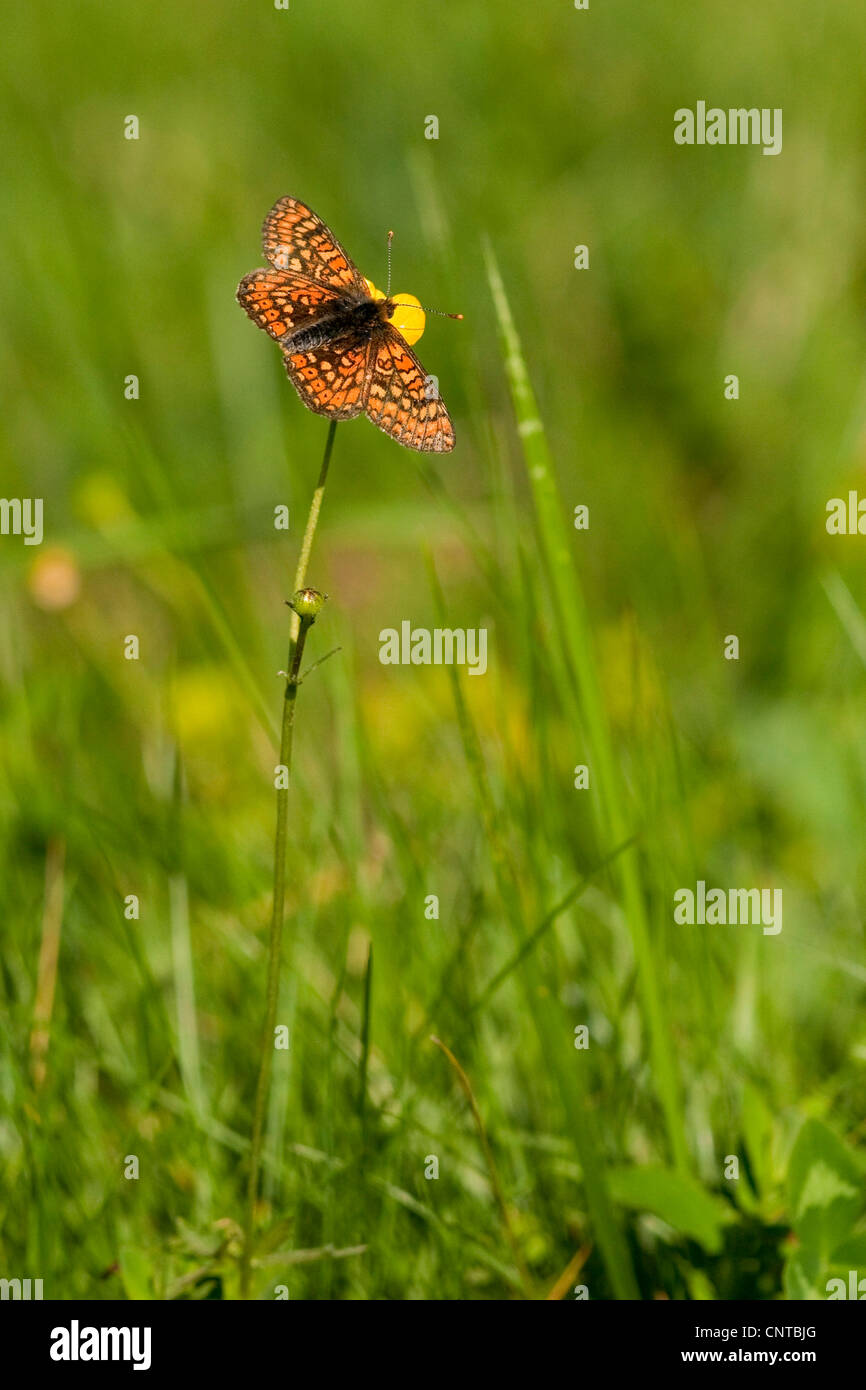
{"points": [[358, 318], [342, 353]]}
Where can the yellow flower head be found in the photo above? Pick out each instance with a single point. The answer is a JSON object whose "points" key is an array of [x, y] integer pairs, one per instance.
{"points": [[409, 318], [54, 579]]}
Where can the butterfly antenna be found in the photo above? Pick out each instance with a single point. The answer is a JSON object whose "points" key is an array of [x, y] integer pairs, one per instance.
{"points": [[400, 304], [390, 239], [397, 303]]}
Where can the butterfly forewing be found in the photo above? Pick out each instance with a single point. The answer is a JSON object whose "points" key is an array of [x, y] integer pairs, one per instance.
{"points": [[296, 240], [280, 302]]}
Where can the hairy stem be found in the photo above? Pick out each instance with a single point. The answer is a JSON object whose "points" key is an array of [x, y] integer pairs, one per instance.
{"points": [[299, 629]]}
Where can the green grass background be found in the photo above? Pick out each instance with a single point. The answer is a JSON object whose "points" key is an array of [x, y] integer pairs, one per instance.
{"points": [[606, 647]]}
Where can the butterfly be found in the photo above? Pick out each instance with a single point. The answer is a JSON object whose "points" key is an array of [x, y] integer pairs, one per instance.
{"points": [[341, 348]]}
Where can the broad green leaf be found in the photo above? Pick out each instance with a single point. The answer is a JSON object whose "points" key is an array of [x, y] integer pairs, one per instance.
{"points": [[852, 1252], [825, 1188], [676, 1199], [801, 1277], [135, 1271], [843, 1281]]}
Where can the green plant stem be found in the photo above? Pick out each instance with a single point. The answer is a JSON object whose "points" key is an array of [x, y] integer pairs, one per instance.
{"points": [[312, 523], [299, 629]]}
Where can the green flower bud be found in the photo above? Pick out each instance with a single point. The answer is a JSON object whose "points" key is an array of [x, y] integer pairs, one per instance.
{"points": [[307, 603]]}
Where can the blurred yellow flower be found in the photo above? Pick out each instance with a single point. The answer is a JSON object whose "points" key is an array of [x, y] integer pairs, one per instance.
{"points": [[630, 678], [54, 580], [99, 500], [202, 704], [409, 318]]}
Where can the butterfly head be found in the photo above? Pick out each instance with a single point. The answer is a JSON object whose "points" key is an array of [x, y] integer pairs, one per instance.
{"points": [[402, 311]]}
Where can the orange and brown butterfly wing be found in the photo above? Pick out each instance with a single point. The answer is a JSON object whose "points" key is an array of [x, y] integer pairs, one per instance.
{"points": [[296, 240], [399, 399], [311, 272], [280, 302], [332, 379]]}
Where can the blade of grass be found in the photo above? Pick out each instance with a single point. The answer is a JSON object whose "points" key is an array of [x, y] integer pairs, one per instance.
{"points": [[573, 627], [570, 1273], [546, 922], [365, 1036], [49, 953], [491, 1166], [611, 1243], [181, 956], [847, 611]]}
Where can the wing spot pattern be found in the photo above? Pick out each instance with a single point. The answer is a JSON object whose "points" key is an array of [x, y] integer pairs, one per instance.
{"points": [[347, 373]]}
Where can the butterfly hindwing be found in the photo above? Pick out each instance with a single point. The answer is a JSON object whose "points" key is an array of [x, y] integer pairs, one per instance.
{"points": [[296, 240], [401, 398], [332, 379], [280, 302]]}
